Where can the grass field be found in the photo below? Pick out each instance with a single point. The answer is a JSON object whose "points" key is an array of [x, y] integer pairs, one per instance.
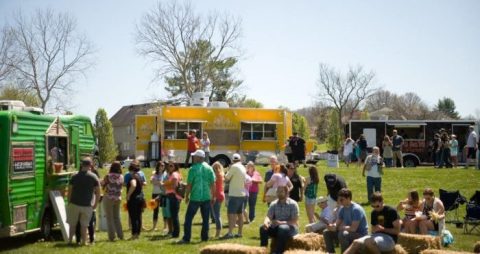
{"points": [[396, 183]]}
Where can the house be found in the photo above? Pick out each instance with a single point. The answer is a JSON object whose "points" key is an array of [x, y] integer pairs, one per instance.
{"points": [[123, 122]]}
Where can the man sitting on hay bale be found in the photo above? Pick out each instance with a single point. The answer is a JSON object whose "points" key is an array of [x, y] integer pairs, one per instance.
{"points": [[351, 223], [281, 221], [385, 229]]}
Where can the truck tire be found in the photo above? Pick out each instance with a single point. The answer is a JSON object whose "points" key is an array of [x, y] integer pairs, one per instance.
{"points": [[223, 159], [410, 162], [47, 224]]}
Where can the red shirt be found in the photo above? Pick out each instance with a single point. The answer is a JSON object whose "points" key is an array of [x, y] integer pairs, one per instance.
{"points": [[219, 194], [193, 143]]}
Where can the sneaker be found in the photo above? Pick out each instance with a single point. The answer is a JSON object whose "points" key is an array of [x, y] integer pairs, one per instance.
{"points": [[227, 236], [237, 236], [182, 241]]}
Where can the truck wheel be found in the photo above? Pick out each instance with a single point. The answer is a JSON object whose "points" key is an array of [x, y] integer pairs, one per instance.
{"points": [[47, 224], [410, 162], [224, 160]]}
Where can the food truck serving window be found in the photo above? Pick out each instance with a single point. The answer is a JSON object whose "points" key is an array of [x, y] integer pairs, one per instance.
{"points": [[411, 131], [259, 131], [176, 129], [23, 159]]}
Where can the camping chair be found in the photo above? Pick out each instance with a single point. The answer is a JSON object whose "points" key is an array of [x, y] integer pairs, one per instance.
{"points": [[472, 219], [451, 201]]}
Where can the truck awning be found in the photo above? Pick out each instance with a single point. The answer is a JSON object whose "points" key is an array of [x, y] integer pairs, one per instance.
{"points": [[186, 121], [408, 124], [260, 122]]}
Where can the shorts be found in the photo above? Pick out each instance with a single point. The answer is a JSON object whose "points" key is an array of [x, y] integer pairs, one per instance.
{"points": [[471, 153], [397, 155], [310, 201], [316, 227], [347, 157], [76, 213], [235, 205], [384, 242]]}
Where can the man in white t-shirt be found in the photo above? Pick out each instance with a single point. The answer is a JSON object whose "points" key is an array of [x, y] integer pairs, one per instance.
{"points": [[471, 146], [236, 178], [326, 217]]}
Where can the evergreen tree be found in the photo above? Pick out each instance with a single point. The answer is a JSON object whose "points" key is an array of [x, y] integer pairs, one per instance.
{"points": [[104, 132], [447, 106]]}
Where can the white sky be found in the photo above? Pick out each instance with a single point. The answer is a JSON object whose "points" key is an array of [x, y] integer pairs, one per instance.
{"points": [[431, 48]]}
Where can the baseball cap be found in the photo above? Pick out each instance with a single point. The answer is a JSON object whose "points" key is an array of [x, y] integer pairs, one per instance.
{"points": [[321, 200], [199, 153], [236, 157]]}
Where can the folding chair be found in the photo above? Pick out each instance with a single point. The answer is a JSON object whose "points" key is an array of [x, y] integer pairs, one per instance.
{"points": [[472, 219], [451, 201]]}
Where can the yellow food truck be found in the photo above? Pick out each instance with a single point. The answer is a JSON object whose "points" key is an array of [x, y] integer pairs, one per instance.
{"points": [[254, 133]]}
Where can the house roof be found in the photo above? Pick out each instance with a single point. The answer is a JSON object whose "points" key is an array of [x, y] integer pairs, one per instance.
{"points": [[126, 115]]}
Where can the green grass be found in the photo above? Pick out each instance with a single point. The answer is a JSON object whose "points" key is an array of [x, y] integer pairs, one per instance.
{"points": [[396, 183]]}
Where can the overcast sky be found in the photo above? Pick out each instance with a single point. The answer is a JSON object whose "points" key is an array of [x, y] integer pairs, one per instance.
{"points": [[431, 48]]}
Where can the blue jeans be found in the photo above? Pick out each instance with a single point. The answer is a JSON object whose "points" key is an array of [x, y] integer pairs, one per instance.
{"points": [[191, 211], [174, 209], [216, 214], [344, 238], [388, 162], [252, 201], [373, 184], [282, 233]]}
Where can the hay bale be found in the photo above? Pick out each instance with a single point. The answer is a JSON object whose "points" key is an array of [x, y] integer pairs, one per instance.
{"points": [[399, 250], [308, 241], [430, 251], [414, 244], [303, 252], [232, 248], [476, 247]]}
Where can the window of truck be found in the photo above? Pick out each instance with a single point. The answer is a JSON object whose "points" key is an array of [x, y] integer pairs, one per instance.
{"points": [[177, 129], [409, 131], [258, 131]]}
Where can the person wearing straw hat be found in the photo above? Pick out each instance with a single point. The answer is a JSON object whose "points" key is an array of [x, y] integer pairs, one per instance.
{"points": [[323, 219]]}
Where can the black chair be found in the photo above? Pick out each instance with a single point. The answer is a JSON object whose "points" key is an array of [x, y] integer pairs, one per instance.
{"points": [[451, 201], [472, 219]]}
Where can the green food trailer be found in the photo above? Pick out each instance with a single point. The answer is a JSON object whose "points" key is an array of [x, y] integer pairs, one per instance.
{"points": [[38, 154]]}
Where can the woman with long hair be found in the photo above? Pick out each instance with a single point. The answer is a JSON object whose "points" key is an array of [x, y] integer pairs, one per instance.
{"points": [[158, 192], [112, 184], [171, 183], [135, 200], [220, 196], [387, 151], [311, 192], [411, 205]]}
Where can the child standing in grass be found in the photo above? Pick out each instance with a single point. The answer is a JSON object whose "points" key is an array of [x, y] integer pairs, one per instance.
{"points": [[311, 193]]}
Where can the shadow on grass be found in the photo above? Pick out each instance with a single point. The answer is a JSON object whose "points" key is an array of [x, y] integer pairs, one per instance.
{"points": [[18, 242]]}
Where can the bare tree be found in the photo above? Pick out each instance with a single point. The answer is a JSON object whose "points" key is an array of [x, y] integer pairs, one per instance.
{"points": [[188, 47], [345, 91], [6, 57], [51, 54]]}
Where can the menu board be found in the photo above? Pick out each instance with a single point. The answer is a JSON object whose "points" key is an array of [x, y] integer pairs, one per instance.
{"points": [[23, 159]]}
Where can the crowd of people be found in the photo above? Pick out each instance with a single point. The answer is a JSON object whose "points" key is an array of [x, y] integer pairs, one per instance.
{"points": [[208, 188], [340, 219], [444, 149]]}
